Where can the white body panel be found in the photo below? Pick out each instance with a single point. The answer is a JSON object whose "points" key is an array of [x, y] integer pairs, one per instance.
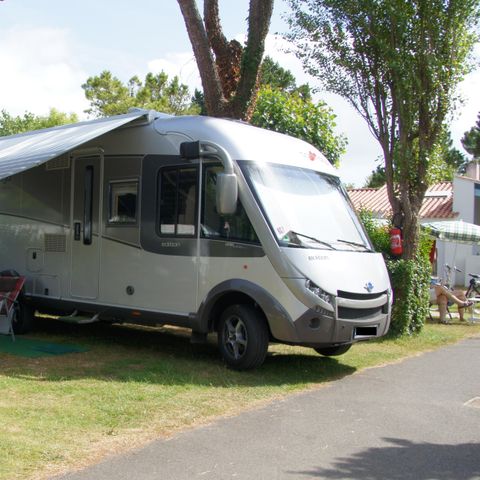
{"points": [[214, 271], [162, 283], [348, 271]]}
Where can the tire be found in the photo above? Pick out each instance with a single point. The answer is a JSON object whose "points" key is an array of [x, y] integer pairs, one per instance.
{"points": [[23, 319], [243, 337], [333, 351], [472, 313]]}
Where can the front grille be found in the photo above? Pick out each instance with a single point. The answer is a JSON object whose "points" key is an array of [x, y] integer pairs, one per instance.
{"points": [[358, 313], [359, 296]]}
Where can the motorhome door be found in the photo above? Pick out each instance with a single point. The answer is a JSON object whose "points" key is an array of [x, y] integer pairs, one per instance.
{"points": [[85, 222]]}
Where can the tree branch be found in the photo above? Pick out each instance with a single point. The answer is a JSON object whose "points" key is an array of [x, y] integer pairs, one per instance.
{"points": [[228, 55], [214, 98], [260, 13]]}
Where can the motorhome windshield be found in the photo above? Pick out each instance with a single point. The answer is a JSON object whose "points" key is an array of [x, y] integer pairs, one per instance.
{"points": [[306, 208]]}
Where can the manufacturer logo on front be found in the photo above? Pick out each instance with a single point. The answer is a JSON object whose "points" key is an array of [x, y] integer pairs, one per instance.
{"points": [[368, 287]]}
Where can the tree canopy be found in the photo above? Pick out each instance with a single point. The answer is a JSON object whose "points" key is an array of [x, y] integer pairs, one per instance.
{"points": [[110, 96], [291, 114], [275, 76], [446, 162], [398, 64], [11, 125], [471, 140], [377, 177]]}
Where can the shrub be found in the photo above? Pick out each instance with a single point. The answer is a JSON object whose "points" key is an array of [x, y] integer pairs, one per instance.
{"points": [[410, 279]]}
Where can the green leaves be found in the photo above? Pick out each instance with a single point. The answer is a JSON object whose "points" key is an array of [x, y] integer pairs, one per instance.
{"points": [[10, 125], [110, 96], [471, 140], [294, 115], [410, 279]]}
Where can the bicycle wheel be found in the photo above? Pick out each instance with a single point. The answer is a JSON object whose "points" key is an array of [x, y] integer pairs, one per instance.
{"points": [[472, 313]]}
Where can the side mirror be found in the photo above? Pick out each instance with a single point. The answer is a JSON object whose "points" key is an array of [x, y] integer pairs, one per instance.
{"points": [[227, 193]]}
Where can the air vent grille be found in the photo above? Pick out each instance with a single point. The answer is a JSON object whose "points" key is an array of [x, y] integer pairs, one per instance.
{"points": [[60, 163], [358, 313], [55, 242]]}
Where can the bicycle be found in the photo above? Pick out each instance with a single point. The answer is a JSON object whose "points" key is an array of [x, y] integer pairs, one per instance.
{"points": [[448, 275], [473, 289]]}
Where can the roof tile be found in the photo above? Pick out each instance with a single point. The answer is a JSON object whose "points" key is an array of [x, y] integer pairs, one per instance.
{"points": [[438, 201]]}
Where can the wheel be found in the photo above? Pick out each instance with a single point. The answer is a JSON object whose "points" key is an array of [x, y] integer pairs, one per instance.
{"points": [[333, 351], [242, 337], [23, 319], [471, 313]]}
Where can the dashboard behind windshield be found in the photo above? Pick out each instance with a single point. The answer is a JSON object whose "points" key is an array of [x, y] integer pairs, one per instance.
{"points": [[305, 208]]}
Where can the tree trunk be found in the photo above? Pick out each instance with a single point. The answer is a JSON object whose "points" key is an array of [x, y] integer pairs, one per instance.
{"points": [[260, 13], [230, 79], [228, 55], [410, 233], [214, 100]]}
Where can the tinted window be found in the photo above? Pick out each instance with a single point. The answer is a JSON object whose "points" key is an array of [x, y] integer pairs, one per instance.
{"points": [[178, 200], [235, 227], [123, 202]]}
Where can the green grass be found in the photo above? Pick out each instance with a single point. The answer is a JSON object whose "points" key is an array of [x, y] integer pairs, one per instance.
{"points": [[133, 385]]}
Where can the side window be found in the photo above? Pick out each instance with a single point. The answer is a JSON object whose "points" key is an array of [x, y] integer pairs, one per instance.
{"points": [[177, 201], [235, 227], [123, 202]]}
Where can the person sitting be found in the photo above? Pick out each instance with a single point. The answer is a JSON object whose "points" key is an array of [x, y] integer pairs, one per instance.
{"points": [[444, 296]]}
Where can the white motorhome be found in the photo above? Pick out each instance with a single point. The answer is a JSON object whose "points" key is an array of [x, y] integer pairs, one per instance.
{"points": [[204, 223]]}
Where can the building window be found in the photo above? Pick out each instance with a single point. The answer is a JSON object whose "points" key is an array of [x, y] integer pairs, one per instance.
{"points": [[123, 202], [178, 201]]}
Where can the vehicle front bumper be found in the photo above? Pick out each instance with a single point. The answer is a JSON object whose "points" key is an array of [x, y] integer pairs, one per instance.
{"points": [[351, 321]]}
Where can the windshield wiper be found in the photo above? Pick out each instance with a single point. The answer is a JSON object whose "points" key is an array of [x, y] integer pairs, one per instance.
{"points": [[316, 240], [295, 245], [355, 244]]}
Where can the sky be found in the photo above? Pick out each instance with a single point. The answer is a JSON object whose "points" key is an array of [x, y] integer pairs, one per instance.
{"points": [[49, 48]]}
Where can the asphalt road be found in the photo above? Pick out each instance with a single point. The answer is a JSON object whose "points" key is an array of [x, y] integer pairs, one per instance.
{"points": [[417, 419]]}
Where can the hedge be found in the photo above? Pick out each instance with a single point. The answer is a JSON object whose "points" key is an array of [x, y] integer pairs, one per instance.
{"points": [[410, 279]]}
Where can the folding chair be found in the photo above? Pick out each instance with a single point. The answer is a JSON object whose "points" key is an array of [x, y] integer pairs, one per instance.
{"points": [[10, 288]]}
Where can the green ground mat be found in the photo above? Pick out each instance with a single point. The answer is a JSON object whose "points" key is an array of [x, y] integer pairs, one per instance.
{"points": [[32, 348]]}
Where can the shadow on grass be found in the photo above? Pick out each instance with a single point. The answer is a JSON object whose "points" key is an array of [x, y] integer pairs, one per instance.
{"points": [[403, 460], [162, 356]]}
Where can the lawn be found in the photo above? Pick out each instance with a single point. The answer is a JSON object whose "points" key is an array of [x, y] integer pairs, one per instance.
{"points": [[59, 413]]}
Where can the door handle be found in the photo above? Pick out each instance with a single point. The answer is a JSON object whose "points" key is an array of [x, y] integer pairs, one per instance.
{"points": [[77, 230]]}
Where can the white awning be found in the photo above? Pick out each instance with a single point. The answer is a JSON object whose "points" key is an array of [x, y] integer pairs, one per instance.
{"points": [[27, 150]]}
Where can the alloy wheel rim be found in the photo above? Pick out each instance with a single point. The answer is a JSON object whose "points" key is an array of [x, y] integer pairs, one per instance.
{"points": [[235, 337]]}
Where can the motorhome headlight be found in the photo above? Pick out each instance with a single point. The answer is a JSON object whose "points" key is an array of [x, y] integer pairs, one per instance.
{"points": [[322, 294]]}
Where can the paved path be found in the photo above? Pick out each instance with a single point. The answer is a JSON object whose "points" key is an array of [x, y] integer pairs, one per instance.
{"points": [[410, 420]]}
